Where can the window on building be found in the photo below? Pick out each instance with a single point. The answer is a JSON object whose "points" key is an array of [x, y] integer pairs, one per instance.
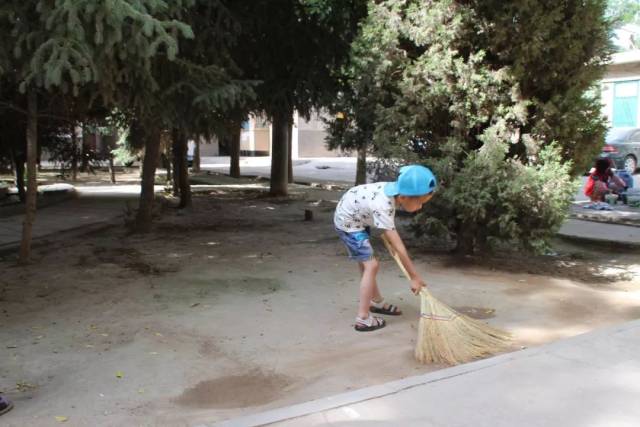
{"points": [[625, 104]]}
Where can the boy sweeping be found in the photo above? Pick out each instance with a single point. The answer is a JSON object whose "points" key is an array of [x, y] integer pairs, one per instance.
{"points": [[375, 205]]}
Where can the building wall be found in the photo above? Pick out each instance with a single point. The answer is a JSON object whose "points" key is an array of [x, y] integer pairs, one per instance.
{"points": [[262, 141], [311, 144], [209, 148], [620, 90], [255, 137], [311, 136], [307, 139], [620, 99]]}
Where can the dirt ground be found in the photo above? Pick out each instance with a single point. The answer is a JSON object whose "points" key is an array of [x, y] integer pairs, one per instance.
{"points": [[242, 306]]}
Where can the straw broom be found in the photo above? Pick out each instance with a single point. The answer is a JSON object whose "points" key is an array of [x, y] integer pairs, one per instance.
{"points": [[446, 336]]}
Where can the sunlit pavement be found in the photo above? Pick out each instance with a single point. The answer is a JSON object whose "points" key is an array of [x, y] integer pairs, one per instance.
{"points": [[591, 380], [323, 169]]}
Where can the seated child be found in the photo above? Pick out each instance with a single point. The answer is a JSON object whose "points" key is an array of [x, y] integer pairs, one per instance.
{"points": [[602, 181], [375, 204]]}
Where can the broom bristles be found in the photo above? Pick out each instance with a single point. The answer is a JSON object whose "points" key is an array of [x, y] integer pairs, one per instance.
{"points": [[448, 337]]}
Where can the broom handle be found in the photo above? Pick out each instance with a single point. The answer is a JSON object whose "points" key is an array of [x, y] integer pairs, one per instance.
{"points": [[394, 254]]}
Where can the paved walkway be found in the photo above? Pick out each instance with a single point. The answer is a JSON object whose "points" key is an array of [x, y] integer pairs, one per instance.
{"points": [[77, 213], [592, 380], [620, 214], [339, 170], [624, 235], [103, 204]]}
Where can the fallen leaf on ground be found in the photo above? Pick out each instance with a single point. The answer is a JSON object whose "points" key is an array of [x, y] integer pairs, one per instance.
{"points": [[61, 419], [119, 374], [24, 386]]}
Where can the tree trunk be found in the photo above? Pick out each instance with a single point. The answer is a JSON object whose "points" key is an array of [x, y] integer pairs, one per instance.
{"points": [[110, 144], [74, 154], [176, 167], [279, 154], [185, 186], [19, 161], [32, 184], [142, 156], [151, 154], [465, 239], [181, 172], [234, 152], [482, 240], [196, 155], [166, 163], [112, 169], [361, 166], [290, 153], [84, 163]]}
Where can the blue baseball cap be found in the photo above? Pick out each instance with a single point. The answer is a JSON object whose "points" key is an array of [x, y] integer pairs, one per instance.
{"points": [[414, 180]]}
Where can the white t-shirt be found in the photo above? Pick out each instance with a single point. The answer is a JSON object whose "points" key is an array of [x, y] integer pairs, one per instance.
{"points": [[365, 205]]}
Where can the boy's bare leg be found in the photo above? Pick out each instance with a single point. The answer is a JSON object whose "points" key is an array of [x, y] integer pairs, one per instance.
{"points": [[376, 296], [369, 270]]}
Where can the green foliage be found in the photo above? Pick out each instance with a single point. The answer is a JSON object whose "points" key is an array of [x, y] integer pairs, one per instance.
{"points": [[124, 153], [197, 90], [496, 97], [67, 45], [502, 200], [294, 49], [137, 58], [623, 12]]}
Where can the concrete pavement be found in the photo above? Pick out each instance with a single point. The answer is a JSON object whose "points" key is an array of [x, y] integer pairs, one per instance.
{"points": [[102, 204], [339, 170], [591, 380], [333, 169], [621, 214], [598, 232], [82, 212]]}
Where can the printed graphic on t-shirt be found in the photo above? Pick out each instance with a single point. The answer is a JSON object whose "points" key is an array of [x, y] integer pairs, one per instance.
{"points": [[365, 206]]}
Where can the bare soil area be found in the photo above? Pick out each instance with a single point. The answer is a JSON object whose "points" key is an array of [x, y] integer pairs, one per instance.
{"points": [[241, 306]]}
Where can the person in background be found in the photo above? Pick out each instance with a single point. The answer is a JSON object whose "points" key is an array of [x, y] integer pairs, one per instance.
{"points": [[603, 181]]}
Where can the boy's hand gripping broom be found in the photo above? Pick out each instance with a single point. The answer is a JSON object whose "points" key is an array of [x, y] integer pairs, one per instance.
{"points": [[446, 336]]}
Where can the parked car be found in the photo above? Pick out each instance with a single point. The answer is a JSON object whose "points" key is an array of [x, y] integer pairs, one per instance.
{"points": [[622, 147]]}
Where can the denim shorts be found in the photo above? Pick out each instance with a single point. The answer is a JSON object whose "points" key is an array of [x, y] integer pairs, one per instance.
{"points": [[358, 244]]}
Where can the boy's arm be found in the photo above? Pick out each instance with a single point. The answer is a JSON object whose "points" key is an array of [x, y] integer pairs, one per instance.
{"points": [[396, 243]]}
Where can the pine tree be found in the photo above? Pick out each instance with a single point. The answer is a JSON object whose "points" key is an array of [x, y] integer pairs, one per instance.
{"points": [[81, 48], [294, 48], [204, 88]]}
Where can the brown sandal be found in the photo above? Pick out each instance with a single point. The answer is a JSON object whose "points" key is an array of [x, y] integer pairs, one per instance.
{"points": [[371, 323], [391, 310]]}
